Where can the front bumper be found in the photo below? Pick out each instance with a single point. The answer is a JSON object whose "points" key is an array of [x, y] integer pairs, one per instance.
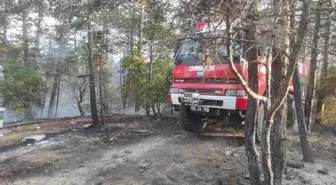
{"points": [[219, 102]]}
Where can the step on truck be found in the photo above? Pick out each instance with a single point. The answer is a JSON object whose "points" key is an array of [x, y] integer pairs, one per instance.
{"points": [[207, 93]]}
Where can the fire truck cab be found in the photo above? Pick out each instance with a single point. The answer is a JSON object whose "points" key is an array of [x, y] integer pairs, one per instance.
{"points": [[204, 85]]}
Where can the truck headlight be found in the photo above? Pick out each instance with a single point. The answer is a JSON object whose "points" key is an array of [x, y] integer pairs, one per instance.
{"points": [[173, 90], [235, 93], [218, 91]]}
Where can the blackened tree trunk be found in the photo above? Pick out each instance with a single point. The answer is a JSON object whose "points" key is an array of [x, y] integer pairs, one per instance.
{"points": [[92, 79], [250, 124], [82, 89], [58, 94], [250, 120], [279, 73], [305, 146], [278, 128], [80, 102], [53, 96], [313, 62]]}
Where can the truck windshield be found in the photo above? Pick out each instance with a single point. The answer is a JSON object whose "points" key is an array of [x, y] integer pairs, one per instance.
{"points": [[192, 52]]}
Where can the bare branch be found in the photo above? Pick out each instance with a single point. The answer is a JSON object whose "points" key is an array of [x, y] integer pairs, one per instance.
{"points": [[292, 61], [220, 37], [233, 68]]}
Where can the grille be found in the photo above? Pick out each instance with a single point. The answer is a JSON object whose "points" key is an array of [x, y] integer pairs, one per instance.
{"points": [[193, 90], [200, 80]]}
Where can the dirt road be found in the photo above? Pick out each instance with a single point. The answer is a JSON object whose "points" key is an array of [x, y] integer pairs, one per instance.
{"points": [[137, 152]]}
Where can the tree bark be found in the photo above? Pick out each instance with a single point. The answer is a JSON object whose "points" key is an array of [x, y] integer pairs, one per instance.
{"points": [[52, 97], [5, 29], [25, 44], [101, 95], [278, 128], [92, 87], [80, 99], [313, 62], [250, 119], [58, 94], [324, 70], [38, 32], [250, 122], [305, 146], [141, 26], [266, 151]]}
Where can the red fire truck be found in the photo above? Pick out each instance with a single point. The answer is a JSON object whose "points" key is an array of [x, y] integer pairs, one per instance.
{"points": [[203, 90]]}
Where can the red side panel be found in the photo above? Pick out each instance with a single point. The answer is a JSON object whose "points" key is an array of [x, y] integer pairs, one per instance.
{"points": [[170, 99], [212, 71]]}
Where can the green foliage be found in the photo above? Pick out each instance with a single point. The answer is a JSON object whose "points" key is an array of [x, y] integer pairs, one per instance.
{"points": [[10, 53], [328, 88], [156, 90], [136, 72], [66, 67], [22, 88]]}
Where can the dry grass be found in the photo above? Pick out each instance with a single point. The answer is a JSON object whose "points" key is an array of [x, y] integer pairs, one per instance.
{"points": [[16, 137], [16, 134], [29, 161], [127, 181], [42, 157], [328, 115]]}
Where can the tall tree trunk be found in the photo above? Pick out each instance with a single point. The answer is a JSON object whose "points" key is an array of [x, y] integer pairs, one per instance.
{"points": [[38, 32], [320, 100], [305, 146], [105, 77], [58, 94], [278, 128], [250, 123], [101, 95], [81, 96], [250, 120], [53, 96], [279, 72], [75, 39], [141, 26], [5, 29], [151, 57], [93, 100], [25, 39], [313, 62]]}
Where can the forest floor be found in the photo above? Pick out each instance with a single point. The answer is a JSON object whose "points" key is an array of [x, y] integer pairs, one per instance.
{"points": [[143, 151]]}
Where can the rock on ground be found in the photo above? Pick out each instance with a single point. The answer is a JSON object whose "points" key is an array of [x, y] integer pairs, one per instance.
{"points": [[35, 138]]}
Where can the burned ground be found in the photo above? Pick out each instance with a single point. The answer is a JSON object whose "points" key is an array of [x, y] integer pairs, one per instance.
{"points": [[144, 151]]}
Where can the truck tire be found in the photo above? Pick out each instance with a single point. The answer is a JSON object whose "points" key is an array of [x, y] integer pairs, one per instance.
{"points": [[190, 121], [260, 121]]}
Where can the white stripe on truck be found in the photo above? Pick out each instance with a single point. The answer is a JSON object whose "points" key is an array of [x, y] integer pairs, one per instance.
{"points": [[229, 102]]}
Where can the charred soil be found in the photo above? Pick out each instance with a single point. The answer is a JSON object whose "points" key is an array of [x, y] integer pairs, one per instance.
{"points": [[148, 151]]}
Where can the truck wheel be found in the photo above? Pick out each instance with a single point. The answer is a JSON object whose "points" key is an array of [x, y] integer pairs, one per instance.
{"points": [[190, 121], [260, 121]]}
